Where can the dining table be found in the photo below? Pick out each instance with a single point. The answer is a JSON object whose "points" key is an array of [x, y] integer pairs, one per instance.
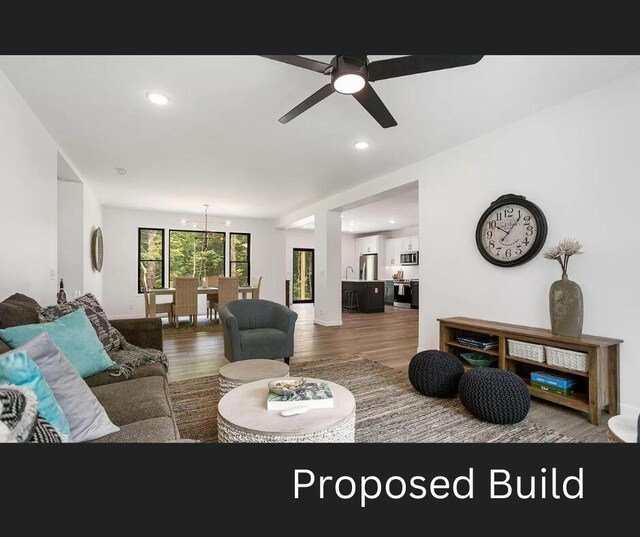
{"points": [[243, 290]]}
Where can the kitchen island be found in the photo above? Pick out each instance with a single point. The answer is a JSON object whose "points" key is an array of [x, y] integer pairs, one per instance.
{"points": [[370, 294]]}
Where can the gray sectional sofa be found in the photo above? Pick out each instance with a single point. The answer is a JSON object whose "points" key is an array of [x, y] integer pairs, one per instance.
{"points": [[140, 406]]}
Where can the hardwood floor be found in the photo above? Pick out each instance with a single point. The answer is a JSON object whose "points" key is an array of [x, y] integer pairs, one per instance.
{"points": [[389, 338]]}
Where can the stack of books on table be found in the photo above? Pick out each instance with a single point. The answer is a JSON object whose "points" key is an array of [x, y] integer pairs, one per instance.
{"points": [[478, 342], [311, 395], [553, 382]]}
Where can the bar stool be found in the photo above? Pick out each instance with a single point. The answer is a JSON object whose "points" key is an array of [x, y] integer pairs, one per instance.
{"points": [[350, 301]]}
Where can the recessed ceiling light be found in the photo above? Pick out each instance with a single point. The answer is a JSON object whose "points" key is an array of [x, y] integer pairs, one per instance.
{"points": [[158, 98], [195, 226], [392, 221], [184, 221], [227, 223], [361, 145], [341, 215], [121, 171]]}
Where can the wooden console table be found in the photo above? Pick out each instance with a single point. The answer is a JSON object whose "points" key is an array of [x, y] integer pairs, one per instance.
{"points": [[598, 387]]}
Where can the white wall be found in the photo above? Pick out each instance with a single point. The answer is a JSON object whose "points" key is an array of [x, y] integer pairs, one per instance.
{"points": [[79, 214], [579, 162], [349, 255], [28, 217], [92, 219], [70, 236], [120, 270]]}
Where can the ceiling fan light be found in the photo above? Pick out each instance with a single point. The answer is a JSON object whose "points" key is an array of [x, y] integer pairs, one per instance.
{"points": [[349, 83]]}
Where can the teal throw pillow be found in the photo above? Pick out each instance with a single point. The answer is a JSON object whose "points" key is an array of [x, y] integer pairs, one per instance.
{"points": [[75, 337], [19, 369]]}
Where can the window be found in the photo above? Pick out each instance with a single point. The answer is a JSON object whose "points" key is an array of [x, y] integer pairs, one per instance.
{"points": [[240, 256], [303, 277], [151, 257], [191, 255]]}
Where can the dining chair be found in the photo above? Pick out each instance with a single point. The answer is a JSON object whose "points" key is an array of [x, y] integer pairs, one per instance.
{"points": [[186, 301], [165, 307], [211, 281], [255, 283], [227, 292]]}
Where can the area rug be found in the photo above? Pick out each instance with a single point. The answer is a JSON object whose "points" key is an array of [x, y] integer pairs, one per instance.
{"points": [[388, 409], [203, 324]]}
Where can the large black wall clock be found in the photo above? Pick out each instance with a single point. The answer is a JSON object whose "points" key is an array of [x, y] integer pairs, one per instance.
{"points": [[511, 231]]}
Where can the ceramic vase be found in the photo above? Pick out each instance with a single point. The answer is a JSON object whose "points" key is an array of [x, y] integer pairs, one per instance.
{"points": [[566, 307]]}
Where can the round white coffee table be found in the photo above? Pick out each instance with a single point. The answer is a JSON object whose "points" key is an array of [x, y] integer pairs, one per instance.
{"points": [[238, 373], [622, 429], [243, 417]]}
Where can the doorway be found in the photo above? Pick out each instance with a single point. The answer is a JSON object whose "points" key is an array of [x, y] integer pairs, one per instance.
{"points": [[303, 275]]}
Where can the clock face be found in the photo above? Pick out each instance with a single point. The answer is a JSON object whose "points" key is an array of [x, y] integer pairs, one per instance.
{"points": [[512, 231]]}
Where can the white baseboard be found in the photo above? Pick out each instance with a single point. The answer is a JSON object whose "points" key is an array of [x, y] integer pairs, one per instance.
{"points": [[327, 323], [628, 409]]}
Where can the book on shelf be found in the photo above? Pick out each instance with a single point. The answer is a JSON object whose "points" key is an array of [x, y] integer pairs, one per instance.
{"points": [[478, 342], [311, 395], [553, 389], [553, 379]]}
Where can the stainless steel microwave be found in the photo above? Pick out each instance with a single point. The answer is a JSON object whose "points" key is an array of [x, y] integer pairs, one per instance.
{"points": [[409, 258]]}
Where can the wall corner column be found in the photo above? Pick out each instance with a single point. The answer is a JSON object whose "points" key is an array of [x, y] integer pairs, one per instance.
{"points": [[328, 284]]}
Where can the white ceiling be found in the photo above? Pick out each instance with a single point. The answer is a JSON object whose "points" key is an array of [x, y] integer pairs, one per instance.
{"points": [[219, 140]]}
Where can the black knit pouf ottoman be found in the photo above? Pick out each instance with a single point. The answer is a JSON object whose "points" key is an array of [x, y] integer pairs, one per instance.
{"points": [[494, 395], [435, 373]]}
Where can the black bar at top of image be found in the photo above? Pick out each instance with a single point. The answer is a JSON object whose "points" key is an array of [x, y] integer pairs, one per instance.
{"points": [[228, 28]]}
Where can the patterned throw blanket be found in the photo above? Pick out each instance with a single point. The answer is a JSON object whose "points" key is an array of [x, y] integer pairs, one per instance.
{"points": [[127, 357]]}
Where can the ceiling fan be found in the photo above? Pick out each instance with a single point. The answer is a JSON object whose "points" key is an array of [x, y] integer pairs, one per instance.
{"points": [[352, 74]]}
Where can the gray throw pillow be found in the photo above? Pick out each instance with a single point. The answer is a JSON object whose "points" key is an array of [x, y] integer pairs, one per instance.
{"points": [[107, 334], [86, 416]]}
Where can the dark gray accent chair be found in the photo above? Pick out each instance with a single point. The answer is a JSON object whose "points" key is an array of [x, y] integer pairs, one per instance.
{"points": [[257, 329]]}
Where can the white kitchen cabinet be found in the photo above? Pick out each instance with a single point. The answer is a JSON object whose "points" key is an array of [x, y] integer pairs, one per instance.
{"points": [[367, 245], [392, 249], [389, 252], [409, 244]]}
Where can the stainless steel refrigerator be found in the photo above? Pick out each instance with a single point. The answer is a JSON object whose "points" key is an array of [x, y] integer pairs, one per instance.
{"points": [[369, 267]]}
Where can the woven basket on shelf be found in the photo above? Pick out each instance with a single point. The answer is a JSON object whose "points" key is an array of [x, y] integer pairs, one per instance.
{"points": [[529, 351], [568, 359]]}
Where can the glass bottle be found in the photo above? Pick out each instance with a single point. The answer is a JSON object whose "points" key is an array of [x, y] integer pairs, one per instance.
{"points": [[62, 295]]}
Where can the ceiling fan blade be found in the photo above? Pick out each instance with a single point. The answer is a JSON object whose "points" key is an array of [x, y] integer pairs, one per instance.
{"points": [[300, 61], [374, 105], [410, 65], [322, 93]]}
